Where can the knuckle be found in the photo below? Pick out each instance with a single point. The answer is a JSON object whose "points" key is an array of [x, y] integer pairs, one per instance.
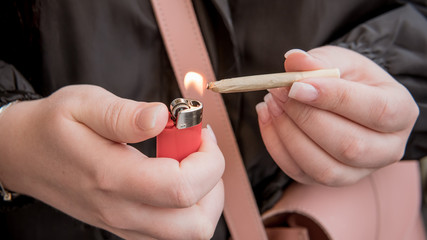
{"points": [[341, 99], [111, 219], [352, 149], [203, 229], [305, 116], [113, 115], [331, 176], [328, 177], [297, 174], [183, 194], [386, 114], [200, 228], [397, 154], [414, 112]]}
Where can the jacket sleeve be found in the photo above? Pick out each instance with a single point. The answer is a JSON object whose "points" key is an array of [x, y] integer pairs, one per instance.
{"points": [[397, 41], [13, 85], [14, 51]]}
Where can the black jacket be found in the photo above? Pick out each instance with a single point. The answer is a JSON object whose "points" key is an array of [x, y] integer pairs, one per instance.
{"points": [[47, 44]]}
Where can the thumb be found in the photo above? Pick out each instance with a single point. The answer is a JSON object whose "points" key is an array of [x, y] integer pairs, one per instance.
{"points": [[300, 60], [119, 119]]}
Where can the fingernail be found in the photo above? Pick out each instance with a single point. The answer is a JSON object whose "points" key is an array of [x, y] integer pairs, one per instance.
{"points": [[148, 116], [303, 92], [274, 108], [262, 111], [292, 51], [211, 132]]}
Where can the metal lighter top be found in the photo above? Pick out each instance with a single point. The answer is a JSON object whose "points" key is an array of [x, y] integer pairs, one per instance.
{"points": [[182, 134], [186, 112]]}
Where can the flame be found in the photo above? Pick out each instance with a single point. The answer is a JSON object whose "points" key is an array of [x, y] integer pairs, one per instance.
{"points": [[195, 80]]}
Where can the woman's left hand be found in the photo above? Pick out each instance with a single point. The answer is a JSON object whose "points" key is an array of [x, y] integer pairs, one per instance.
{"points": [[335, 131]]}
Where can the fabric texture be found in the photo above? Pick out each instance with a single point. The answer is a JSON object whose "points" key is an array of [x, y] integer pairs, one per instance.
{"points": [[13, 86]]}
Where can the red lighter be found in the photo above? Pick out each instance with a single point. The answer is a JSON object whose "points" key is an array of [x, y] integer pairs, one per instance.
{"points": [[182, 134]]}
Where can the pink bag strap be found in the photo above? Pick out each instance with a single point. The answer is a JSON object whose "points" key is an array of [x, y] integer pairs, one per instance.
{"points": [[187, 52]]}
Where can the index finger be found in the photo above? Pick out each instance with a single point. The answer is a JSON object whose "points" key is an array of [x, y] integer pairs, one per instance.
{"points": [[366, 94], [384, 109]]}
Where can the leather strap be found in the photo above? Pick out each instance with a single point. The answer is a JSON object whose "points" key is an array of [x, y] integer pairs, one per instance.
{"points": [[187, 52]]}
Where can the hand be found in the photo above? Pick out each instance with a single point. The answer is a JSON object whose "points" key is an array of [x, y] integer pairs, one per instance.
{"points": [[335, 131], [69, 150]]}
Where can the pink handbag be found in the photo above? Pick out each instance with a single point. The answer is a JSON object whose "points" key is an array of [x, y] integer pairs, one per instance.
{"points": [[385, 205]]}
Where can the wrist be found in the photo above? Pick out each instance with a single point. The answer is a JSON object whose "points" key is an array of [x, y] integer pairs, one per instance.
{"points": [[6, 194]]}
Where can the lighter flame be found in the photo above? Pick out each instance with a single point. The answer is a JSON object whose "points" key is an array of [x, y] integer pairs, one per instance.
{"points": [[195, 80]]}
